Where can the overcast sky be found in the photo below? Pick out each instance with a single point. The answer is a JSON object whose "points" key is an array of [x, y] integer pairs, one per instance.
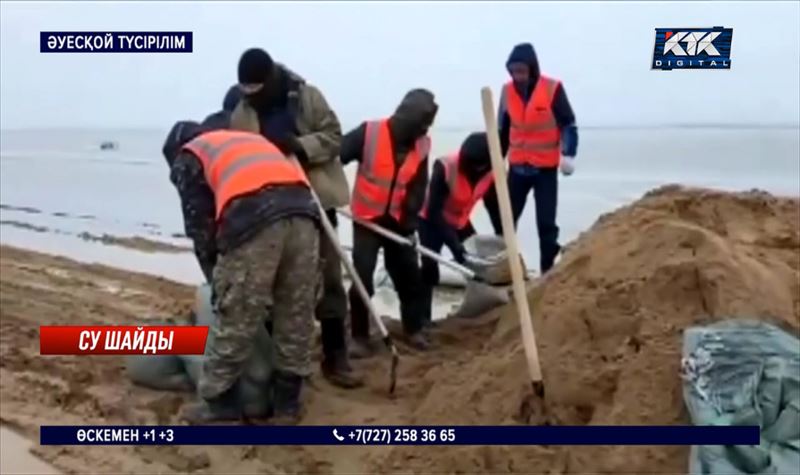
{"points": [[365, 55]]}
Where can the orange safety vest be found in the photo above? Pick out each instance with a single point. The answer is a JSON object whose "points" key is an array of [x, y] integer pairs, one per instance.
{"points": [[236, 163], [374, 191], [534, 138], [463, 196]]}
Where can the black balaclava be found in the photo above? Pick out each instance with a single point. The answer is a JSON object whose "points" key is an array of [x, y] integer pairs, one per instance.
{"points": [[257, 67], [475, 159], [413, 117]]}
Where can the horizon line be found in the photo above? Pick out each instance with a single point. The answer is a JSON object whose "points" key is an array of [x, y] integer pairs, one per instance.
{"points": [[448, 128]]}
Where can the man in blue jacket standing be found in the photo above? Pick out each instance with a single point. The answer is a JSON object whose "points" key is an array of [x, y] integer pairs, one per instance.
{"points": [[538, 134]]}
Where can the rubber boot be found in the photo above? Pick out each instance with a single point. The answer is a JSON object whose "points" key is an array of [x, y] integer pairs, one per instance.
{"points": [[286, 389], [224, 407], [419, 341], [362, 347], [335, 363]]}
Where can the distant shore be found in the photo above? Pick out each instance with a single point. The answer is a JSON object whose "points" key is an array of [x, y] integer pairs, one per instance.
{"points": [[447, 128]]}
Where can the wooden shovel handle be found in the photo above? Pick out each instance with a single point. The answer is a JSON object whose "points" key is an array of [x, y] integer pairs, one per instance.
{"points": [[501, 185]]}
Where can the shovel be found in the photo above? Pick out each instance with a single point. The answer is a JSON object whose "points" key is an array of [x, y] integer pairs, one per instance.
{"points": [[534, 406], [362, 291], [479, 284], [465, 271]]}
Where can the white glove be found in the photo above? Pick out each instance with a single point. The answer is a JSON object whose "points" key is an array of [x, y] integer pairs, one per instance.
{"points": [[567, 166]]}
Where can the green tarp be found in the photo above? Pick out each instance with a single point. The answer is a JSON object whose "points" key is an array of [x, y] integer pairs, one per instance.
{"points": [[744, 373]]}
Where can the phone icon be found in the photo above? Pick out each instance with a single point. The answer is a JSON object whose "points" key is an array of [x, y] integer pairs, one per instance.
{"points": [[338, 437]]}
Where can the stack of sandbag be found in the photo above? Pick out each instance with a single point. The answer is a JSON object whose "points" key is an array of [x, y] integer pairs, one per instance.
{"points": [[489, 260], [181, 372], [744, 373]]}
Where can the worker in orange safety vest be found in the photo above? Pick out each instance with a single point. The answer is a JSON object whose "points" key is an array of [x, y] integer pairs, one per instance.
{"points": [[539, 136], [458, 182], [389, 190], [249, 206]]}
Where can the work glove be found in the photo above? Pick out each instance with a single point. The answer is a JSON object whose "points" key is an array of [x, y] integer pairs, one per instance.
{"points": [[567, 165], [290, 145]]}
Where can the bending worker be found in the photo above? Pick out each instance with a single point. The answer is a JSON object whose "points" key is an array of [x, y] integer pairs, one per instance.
{"points": [[295, 115], [389, 191], [457, 183], [240, 188], [538, 131]]}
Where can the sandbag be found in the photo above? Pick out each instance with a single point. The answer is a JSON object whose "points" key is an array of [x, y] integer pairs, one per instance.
{"points": [[165, 372], [487, 257], [492, 266], [744, 373], [480, 298], [181, 372]]}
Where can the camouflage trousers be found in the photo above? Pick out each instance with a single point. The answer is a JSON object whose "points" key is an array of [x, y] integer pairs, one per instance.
{"points": [[274, 276]]}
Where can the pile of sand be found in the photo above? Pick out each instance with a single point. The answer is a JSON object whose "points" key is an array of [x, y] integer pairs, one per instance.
{"points": [[608, 320], [609, 323]]}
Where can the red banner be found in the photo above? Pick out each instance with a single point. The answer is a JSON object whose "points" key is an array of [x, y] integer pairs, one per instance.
{"points": [[122, 340]]}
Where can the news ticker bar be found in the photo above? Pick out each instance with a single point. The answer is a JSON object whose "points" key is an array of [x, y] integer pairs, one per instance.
{"points": [[399, 435]]}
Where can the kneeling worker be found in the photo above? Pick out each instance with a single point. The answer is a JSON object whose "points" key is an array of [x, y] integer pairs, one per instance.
{"points": [[458, 182], [389, 191], [240, 188]]}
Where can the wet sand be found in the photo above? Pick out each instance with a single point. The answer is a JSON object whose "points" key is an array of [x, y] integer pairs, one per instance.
{"points": [[136, 243], [38, 289], [16, 457]]}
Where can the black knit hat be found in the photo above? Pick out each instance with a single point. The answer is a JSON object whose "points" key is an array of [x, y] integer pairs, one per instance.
{"points": [[254, 66]]}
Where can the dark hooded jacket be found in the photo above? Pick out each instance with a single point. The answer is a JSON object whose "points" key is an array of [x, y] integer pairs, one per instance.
{"points": [[241, 218], [562, 110], [475, 163], [411, 120]]}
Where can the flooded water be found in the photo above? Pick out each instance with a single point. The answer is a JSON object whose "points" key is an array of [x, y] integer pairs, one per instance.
{"points": [[58, 184]]}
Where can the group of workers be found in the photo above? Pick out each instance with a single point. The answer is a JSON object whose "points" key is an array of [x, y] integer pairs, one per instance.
{"points": [[256, 177]]}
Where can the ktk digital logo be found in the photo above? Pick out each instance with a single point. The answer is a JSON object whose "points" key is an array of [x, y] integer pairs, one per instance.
{"points": [[692, 48]]}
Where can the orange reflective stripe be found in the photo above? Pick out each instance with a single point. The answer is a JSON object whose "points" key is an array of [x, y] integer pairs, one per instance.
{"points": [[236, 163], [364, 200], [245, 161], [217, 149], [371, 137], [535, 146], [542, 126], [375, 180]]}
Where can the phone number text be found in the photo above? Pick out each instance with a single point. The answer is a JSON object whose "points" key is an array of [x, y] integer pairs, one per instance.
{"points": [[402, 436]]}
